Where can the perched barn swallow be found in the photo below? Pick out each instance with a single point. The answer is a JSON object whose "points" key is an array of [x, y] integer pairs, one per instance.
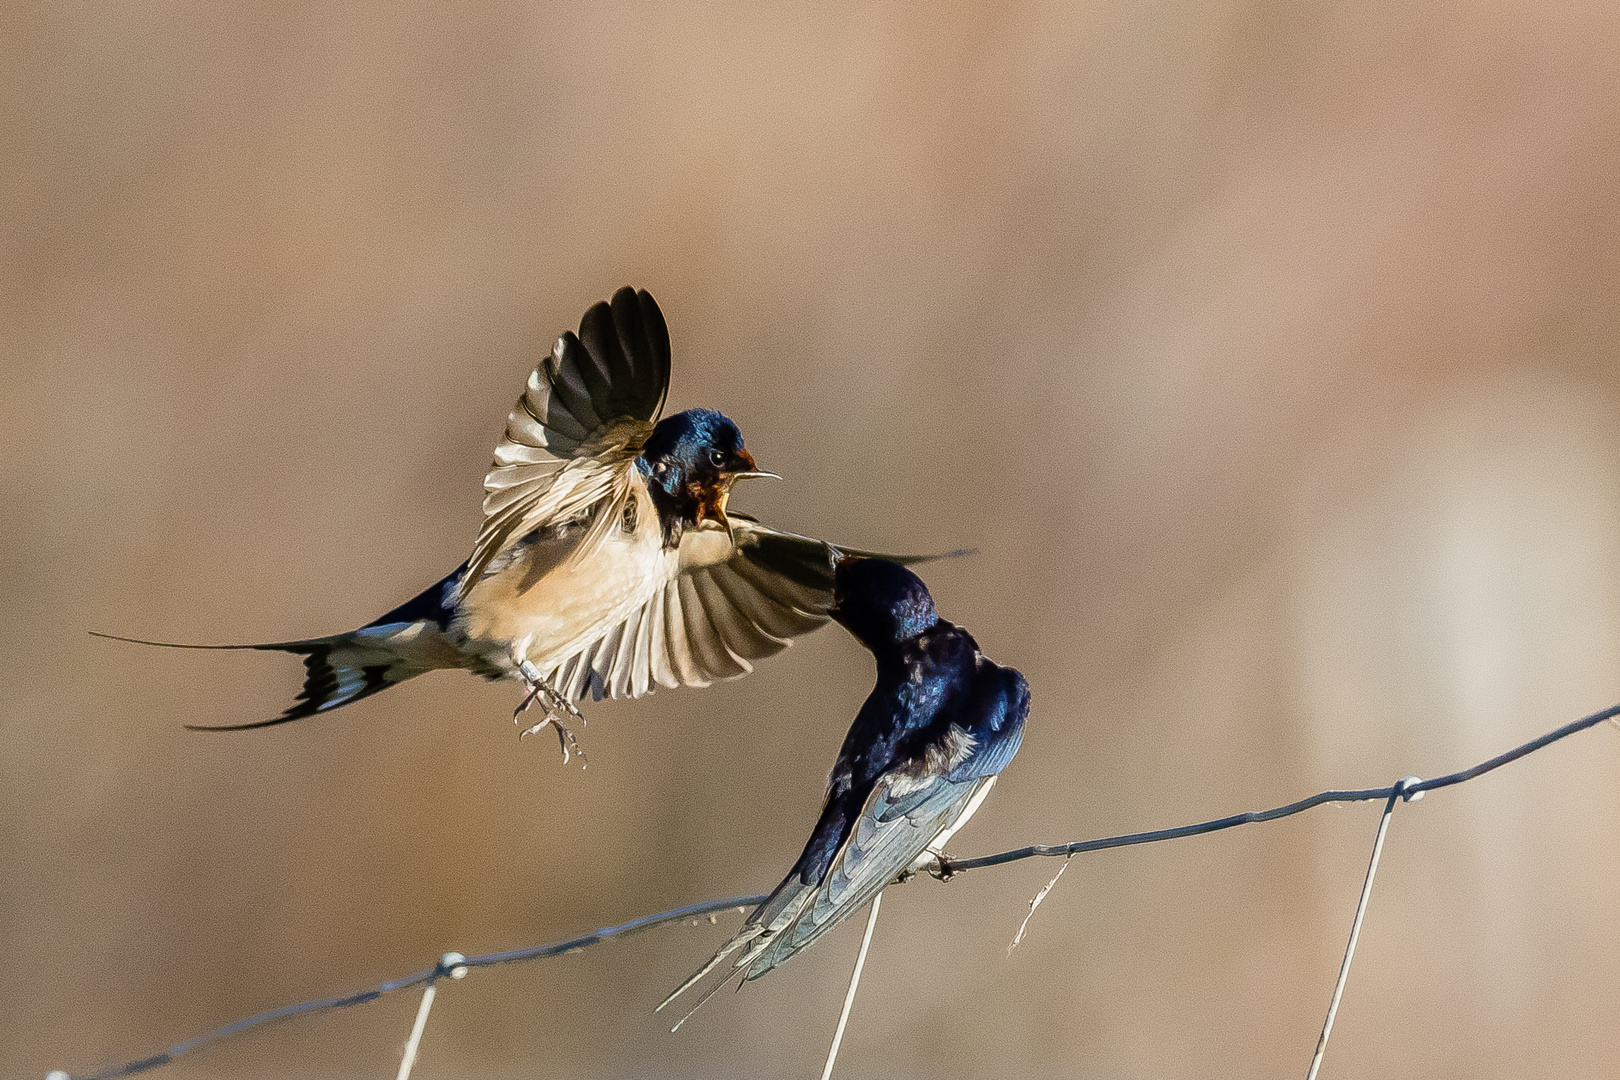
{"points": [[607, 563], [923, 752]]}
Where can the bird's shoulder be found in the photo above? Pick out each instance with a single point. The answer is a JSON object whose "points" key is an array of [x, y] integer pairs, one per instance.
{"points": [[990, 720], [1003, 686], [943, 652], [940, 665], [966, 705]]}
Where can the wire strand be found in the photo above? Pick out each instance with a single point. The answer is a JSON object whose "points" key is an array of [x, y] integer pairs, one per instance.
{"points": [[946, 869], [956, 866], [437, 971]]}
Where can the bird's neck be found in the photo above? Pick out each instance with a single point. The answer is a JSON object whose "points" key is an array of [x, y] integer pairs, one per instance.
{"points": [[681, 503], [937, 644], [898, 660]]}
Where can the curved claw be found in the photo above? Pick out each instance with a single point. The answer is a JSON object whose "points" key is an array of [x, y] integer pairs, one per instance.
{"points": [[565, 739], [523, 706], [553, 703]]}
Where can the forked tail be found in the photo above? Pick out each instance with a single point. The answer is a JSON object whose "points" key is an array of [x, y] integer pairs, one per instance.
{"points": [[338, 670], [345, 668]]}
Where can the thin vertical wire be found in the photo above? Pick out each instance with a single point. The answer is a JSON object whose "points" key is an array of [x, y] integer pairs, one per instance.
{"points": [[415, 1040], [854, 982], [451, 964], [1355, 926]]}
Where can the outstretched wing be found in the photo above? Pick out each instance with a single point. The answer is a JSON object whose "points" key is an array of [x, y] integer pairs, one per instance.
{"points": [[583, 417], [737, 596]]}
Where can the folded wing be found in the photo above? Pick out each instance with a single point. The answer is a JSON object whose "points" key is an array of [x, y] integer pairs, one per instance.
{"points": [[884, 842], [900, 820], [887, 838], [905, 815]]}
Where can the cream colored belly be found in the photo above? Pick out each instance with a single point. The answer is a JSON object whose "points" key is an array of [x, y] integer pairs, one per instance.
{"points": [[544, 606]]}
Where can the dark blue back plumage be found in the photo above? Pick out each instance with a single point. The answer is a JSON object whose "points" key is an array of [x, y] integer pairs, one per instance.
{"points": [[433, 604]]}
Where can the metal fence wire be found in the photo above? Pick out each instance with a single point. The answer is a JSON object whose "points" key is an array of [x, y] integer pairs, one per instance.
{"points": [[453, 965]]}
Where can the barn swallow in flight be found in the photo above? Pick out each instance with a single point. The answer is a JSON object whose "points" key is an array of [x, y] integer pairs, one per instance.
{"points": [[607, 562], [923, 752]]}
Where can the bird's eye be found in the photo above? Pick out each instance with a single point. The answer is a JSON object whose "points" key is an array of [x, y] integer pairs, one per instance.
{"points": [[717, 458]]}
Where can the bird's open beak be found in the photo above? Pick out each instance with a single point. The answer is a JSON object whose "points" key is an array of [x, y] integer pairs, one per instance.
{"points": [[719, 513], [749, 473]]}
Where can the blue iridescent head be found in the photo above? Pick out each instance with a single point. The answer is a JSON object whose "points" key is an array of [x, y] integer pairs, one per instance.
{"points": [[881, 602], [692, 459]]}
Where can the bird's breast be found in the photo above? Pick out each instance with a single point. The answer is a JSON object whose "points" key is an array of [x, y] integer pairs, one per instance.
{"points": [[550, 598]]}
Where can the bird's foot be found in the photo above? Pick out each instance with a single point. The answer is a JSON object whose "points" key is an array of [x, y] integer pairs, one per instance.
{"points": [[941, 869], [555, 700], [565, 738], [556, 706]]}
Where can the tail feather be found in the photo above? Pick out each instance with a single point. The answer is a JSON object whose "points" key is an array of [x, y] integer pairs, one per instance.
{"points": [[345, 668], [278, 646], [704, 999], [757, 934], [743, 937], [326, 684], [338, 671]]}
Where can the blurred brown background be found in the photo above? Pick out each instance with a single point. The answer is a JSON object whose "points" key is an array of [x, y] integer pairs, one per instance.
{"points": [[1264, 351]]}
